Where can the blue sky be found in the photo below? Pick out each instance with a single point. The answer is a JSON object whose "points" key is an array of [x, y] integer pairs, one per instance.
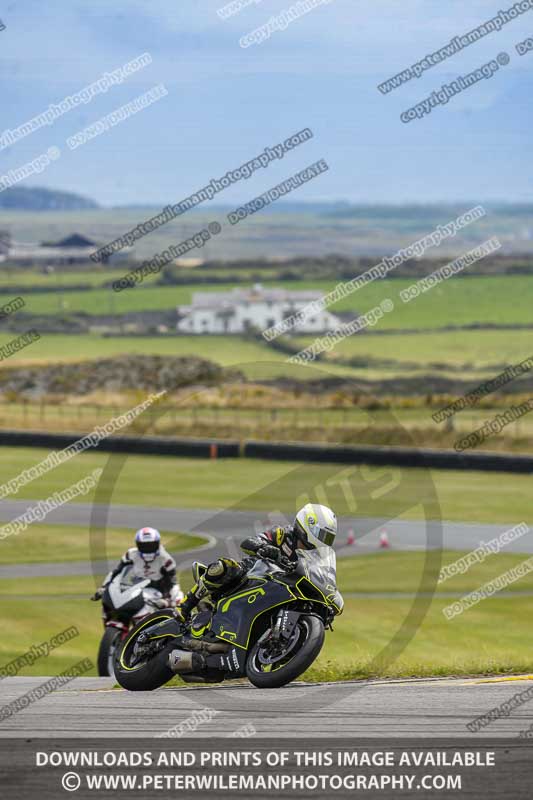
{"points": [[226, 103]]}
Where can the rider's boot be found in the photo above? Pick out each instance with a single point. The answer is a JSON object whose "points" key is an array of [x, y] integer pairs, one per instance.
{"points": [[202, 639], [206, 644]]}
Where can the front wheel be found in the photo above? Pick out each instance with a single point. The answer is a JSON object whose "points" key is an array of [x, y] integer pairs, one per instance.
{"points": [[106, 652], [271, 664]]}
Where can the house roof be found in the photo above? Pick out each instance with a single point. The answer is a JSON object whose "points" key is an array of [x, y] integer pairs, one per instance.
{"points": [[74, 240], [256, 294]]}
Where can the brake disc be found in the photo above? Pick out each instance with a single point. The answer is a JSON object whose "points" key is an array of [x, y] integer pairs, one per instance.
{"points": [[273, 658]]}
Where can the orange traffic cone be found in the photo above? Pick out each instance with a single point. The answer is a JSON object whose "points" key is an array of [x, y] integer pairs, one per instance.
{"points": [[384, 540], [350, 539]]}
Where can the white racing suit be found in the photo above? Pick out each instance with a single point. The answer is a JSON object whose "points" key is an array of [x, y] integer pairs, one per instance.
{"points": [[160, 571]]}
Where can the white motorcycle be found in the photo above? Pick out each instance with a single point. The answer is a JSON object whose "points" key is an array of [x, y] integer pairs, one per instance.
{"points": [[126, 600]]}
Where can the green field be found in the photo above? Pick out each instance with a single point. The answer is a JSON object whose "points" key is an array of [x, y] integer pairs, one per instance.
{"points": [[99, 276], [256, 360], [253, 358], [459, 301], [96, 276], [224, 350], [52, 543], [469, 350], [250, 484], [386, 571], [467, 355], [491, 637]]}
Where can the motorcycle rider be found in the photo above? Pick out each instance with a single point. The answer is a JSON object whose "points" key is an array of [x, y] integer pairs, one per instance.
{"points": [[149, 560], [314, 526]]}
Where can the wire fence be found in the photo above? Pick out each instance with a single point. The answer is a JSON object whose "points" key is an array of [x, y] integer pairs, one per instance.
{"points": [[237, 421], [85, 415]]}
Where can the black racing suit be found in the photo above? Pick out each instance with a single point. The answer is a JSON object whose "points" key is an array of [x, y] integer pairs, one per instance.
{"points": [[274, 543], [224, 575]]}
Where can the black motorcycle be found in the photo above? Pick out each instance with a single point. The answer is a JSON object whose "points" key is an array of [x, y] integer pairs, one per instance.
{"points": [[270, 629]]}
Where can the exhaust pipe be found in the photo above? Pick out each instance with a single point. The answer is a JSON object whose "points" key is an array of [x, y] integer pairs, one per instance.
{"points": [[185, 661]]}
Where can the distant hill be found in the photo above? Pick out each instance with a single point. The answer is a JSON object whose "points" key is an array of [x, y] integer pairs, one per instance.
{"points": [[38, 199]]}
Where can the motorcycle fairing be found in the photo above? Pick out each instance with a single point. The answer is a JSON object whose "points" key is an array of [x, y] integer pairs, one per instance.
{"points": [[127, 609], [122, 594], [235, 615], [308, 588]]}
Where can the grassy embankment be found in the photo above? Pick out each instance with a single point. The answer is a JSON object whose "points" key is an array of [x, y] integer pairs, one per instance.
{"points": [[467, 357], [461, 301], [491, 637]]}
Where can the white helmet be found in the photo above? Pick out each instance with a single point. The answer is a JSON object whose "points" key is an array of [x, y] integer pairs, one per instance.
{"points": [[148, 541], [316, 525]]}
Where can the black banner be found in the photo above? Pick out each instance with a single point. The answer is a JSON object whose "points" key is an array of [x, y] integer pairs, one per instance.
{"points": [[182, 767]]}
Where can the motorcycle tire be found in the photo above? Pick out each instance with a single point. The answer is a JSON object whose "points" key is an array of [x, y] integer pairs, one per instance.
{"points": [[109, 642], [148, 675], [305, 651]]}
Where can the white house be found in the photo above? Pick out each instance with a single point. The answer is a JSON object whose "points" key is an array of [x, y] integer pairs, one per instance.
{"points": [[242, 309]]}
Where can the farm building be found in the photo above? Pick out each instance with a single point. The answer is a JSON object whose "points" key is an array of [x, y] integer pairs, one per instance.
{"points": [[241, 310], [73, 249]]}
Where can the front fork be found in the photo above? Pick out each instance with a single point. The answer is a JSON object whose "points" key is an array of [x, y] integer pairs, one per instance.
{"points": [[285, 624]]}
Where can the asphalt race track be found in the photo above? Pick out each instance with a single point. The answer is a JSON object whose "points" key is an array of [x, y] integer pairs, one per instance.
{"points": [[409, 708], [424, 708], [226, 529]]}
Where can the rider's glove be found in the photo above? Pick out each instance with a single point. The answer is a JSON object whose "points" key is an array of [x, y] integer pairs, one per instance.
{"points": [[269, 551], [186, 606], [98, 594], [181, 615]]}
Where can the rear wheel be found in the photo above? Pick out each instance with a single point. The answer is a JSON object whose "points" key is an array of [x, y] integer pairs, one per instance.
{"points": [[271, 663], [141, 664], [106, 652]]}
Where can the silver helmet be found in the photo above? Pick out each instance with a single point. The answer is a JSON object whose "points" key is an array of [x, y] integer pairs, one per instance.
{"points": [[316, 525]]}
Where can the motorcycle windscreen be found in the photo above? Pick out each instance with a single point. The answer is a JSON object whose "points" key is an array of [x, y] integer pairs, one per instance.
{"points": [[320, 567], [124, 595], [128, 578]]}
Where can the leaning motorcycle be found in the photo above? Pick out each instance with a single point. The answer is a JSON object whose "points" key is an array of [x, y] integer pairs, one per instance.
{"points": [[126, 600], [270, 629]]}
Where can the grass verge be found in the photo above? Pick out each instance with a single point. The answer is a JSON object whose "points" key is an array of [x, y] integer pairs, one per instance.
{"points": [[54, 543], [491, 637], [253, 484]]}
